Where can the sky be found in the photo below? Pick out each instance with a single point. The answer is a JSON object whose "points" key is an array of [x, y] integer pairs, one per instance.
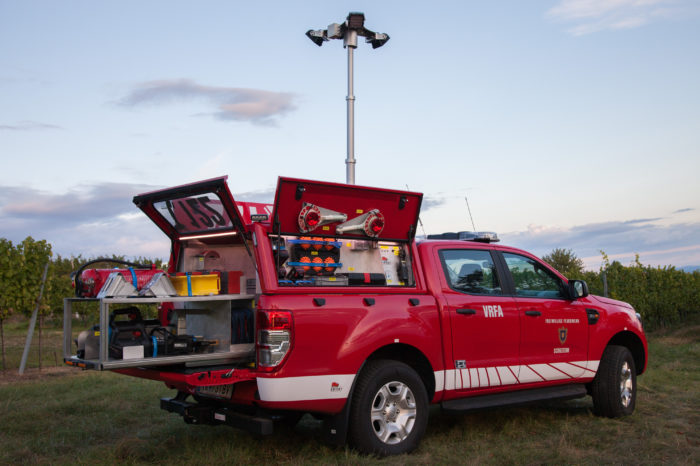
{"points": [[564, 123]]}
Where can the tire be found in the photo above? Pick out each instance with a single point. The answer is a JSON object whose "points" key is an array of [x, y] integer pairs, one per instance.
{"points": [[614, 388], [389, 411]]}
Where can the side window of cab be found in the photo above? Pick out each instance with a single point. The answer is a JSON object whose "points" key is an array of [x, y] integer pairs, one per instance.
{"points": [[532, 279], [470, 271]]}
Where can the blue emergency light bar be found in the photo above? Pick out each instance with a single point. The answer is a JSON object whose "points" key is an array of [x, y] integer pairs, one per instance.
{"points": [[480, 236]]}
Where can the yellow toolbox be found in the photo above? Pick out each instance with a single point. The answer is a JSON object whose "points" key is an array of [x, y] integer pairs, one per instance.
{"points": [[196, 285]]}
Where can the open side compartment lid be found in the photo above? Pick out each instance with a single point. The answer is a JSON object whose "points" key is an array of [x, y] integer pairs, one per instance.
{"points": [[316, 208], [202, 209]]}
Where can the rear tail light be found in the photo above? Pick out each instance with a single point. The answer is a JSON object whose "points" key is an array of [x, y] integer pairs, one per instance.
{"points": [[274, 337]]}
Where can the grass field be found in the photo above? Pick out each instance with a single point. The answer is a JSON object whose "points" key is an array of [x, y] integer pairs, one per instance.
{"points": [[15, 336], [64, 416]]}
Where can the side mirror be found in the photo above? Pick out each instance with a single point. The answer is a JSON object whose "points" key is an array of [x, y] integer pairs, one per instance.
{"points": [[577, 289]]}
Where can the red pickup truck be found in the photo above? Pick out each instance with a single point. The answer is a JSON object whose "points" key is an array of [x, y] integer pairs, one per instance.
{"points": [[335, 309]]}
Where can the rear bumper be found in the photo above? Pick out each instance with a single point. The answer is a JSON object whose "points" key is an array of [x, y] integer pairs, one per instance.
{"points": [[188, 382]]}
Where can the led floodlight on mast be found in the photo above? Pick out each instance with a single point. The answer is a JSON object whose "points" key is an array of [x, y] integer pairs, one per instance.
{"points": [[353, 26]]}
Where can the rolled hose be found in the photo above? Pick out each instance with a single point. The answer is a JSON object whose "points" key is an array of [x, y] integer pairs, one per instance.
{"points": [[76, 275]]}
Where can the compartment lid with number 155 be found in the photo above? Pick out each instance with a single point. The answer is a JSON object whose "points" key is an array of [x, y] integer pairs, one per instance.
{"points": [[202, 209]]}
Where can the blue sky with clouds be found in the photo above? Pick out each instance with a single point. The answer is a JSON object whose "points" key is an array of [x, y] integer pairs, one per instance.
{"points": [[566, 123]]}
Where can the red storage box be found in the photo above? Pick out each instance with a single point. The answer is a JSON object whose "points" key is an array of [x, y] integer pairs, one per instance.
{"points": [[92, 280], [230, 281]]}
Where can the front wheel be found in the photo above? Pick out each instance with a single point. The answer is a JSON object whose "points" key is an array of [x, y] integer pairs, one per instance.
{"points": [[389, 410], [614, 389]]}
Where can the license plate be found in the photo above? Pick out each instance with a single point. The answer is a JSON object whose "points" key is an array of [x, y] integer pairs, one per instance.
{"points": [[216, 391]]}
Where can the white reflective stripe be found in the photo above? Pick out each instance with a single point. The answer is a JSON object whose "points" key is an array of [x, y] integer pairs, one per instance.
{"points": [[494, 380], [592, 366], [439, 380], [507, 377], [527, 375], [450, 379], [568, 369], [547, 372], [516, 371], [483, 378], [586, 368], [478, 377], [474, 377], [466, 380], [458, 379], [316, 387]]}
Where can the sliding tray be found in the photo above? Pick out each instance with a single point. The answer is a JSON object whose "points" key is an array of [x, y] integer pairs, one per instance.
{"points": [[209, 315]]}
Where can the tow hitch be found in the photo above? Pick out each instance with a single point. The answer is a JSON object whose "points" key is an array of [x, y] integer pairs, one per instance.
{"points": [[198, 413]]}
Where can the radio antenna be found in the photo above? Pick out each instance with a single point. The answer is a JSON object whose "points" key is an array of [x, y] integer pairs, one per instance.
{"points": [[419, 220], [470, 213]]}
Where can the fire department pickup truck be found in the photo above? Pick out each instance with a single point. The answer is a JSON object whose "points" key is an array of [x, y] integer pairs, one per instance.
{"points": [[325, 303]]}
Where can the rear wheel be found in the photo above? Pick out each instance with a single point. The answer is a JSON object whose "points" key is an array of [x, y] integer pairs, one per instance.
{"points": [[389, 411], [614, 389]]}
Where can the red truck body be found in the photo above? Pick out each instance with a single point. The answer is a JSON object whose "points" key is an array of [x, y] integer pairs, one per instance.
{"points": [[477, 323]]}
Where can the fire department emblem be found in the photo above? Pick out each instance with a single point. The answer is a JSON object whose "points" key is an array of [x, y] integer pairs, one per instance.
{"points": [[562, 335]]}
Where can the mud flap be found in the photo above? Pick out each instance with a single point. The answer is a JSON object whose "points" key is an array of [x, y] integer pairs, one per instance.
{"points": [[335, 428]]}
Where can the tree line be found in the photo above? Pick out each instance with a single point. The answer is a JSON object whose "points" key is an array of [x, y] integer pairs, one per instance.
{"points": [[21, 268], [662, 295]]}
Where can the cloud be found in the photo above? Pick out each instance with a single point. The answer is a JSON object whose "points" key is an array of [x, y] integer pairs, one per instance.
{"points": [[86, 202], [589, 16], [266, 196], [89, 220], [29, 126], [230, 103], [642, 220], [100, 219], [656, 243], [431, 203], [680, 211]]}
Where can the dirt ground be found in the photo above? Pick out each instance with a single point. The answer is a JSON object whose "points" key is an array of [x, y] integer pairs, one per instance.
{"points": [[34, 374]]}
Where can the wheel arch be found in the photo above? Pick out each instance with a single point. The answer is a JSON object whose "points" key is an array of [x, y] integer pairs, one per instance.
{"points": [[412, 357], [634, 344], [335, 429]]}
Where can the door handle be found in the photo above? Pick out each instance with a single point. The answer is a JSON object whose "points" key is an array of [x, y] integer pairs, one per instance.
{"points": [[467, 312], [533, 313]]}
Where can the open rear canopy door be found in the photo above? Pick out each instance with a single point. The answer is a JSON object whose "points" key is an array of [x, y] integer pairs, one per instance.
{"points": [[316, 208], [202, 209]]}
